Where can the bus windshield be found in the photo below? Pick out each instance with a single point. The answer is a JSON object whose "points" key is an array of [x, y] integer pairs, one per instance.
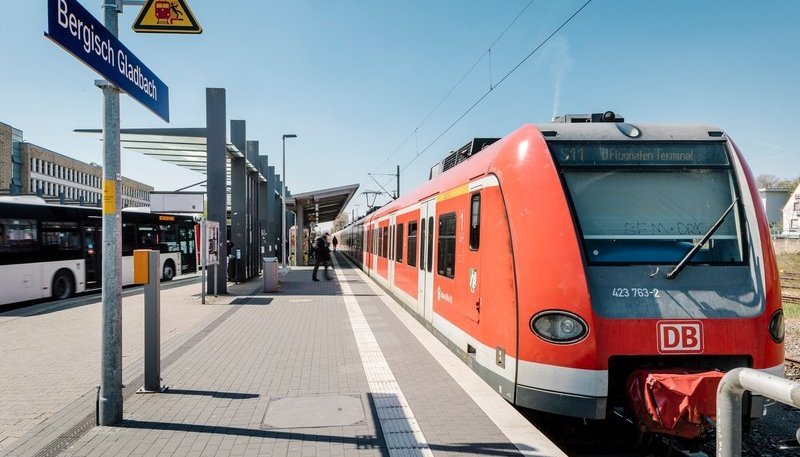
{"points": [[649, 203]]}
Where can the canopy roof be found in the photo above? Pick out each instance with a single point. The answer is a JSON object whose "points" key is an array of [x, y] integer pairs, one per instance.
{"points": [[185, 147], [322, 205]]}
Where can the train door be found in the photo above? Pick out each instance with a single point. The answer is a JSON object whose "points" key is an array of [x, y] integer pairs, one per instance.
{"points": [[427, 213], [92, 242]]}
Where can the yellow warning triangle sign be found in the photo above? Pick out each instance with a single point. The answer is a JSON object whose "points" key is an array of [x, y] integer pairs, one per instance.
{"points": [[166, 16]]}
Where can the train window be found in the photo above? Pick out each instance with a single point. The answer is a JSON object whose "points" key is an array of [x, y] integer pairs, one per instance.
{"points": [[385, 243], [398, 251], [391, 244], [422, 244], [430, 244], [637, 204], [475, 222], [446, 247], [412, 243]]}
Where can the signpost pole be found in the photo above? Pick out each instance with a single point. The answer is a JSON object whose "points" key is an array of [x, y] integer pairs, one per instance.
{"points": [[204, 258], [110, 407]]}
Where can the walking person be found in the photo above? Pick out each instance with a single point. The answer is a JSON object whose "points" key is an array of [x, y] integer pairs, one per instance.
{"points": [[322, 256], [335, 243]]}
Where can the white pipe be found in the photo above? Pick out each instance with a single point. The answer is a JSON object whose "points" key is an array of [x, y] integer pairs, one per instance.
{"points": [[729, 403]]}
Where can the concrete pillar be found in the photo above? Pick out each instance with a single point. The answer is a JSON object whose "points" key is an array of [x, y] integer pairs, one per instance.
{"points": [[239, 201], [263, 206], [253, 222], [280, 238], [216, 158], [300, 247], [271, 215]]}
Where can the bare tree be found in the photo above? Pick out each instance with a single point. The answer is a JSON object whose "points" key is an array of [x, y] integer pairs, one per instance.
{"points": [[767, 181], [788, 184]]}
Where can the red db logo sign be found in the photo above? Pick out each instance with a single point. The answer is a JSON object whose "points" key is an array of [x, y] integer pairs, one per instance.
{"points": [[684, 337]]}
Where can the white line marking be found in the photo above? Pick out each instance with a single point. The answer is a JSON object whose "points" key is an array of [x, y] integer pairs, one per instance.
{"points": [[401, 431], [525, 437]]}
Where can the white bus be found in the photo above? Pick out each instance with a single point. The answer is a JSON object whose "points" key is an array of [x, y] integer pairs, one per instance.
{"points": [[55, 251]]}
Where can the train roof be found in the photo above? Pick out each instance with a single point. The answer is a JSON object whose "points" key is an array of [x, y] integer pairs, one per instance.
{"points": [[480, 163], [616, 131]]}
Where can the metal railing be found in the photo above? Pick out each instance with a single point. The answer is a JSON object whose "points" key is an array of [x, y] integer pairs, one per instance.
{"points": [[729, 403]]}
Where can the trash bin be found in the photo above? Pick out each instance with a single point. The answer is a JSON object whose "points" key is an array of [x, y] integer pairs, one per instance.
{"points": [[270, 272]]}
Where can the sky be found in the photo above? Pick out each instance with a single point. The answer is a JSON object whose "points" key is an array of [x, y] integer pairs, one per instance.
{"points": [[369, 85]]}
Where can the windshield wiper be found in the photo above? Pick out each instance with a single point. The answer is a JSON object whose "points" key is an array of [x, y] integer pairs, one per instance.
{"points": [[685, 260]]}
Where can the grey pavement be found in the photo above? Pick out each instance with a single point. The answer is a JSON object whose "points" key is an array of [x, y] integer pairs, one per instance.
{"points": [[248, 374]]}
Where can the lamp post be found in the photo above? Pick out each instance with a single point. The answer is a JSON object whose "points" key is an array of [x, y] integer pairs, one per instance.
{"points": [[283, 204]]}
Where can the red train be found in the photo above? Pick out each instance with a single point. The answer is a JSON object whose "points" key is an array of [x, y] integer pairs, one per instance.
{"points": [[567, 258]]}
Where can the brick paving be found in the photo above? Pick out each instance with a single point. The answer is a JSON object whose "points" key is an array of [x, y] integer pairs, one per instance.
{"points": [[225, 363]]}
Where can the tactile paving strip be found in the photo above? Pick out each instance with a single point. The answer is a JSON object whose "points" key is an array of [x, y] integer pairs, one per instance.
{"points": [[401, 431]]}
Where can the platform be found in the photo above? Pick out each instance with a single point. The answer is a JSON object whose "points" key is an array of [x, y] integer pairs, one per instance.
{"points": [[319, 368]]}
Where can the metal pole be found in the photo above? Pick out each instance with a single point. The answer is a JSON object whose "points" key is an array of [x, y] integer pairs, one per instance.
{"points": [[729, 403], [283, 209], [398, 181], [110, 403]]}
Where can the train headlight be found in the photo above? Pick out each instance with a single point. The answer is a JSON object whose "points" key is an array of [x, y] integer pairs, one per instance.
{"points": [[776, 328], [558, 327]]}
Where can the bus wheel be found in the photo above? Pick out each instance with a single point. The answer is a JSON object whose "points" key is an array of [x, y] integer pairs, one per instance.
{"points": [[63, 285], [169, 271]]}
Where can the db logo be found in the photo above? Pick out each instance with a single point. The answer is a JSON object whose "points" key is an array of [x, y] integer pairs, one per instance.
{"points": [[684, 337]]}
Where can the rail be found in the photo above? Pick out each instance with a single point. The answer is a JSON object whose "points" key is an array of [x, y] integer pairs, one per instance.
{"points": [[729, 403]]}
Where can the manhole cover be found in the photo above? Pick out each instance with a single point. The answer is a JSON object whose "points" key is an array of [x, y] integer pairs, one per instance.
{"points": [[320, 411]]}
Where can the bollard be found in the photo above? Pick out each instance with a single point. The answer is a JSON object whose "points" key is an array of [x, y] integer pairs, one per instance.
{"points": [[152, 326]]}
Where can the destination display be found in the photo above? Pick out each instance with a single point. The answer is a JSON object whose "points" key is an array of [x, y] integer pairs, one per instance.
{"points": [[73, 28], [639, 153]]}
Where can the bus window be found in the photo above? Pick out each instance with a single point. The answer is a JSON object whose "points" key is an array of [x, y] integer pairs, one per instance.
{"points": [[61, 236], [146, 237], [17, 235], [128, 238], [168, 237]]}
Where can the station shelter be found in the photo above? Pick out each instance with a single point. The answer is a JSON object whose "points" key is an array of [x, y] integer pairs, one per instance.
{"points": [[243, 190]]}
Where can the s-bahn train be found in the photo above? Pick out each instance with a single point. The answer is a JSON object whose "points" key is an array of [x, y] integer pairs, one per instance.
{"points": [[564, 258]]}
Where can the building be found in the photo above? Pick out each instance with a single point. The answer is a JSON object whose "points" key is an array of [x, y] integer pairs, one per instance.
{"points": [[791, 213], [29, 169], [774, 201]]}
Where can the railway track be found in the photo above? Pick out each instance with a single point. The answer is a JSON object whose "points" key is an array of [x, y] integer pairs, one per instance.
{"points": [[790, 298], [792, 367]]}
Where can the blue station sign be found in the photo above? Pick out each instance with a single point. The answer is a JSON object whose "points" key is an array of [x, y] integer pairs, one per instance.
{"points": [[73, 28]]}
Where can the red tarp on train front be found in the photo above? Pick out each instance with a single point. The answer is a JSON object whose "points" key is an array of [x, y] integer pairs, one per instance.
{"points": [[674, 402]]}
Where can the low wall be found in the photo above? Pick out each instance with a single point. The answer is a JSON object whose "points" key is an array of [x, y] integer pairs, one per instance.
{"points": [[786, 245]]}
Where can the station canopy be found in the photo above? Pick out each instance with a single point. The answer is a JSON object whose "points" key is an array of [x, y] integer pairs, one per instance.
{"points": [[185, 147], [322, 205]]}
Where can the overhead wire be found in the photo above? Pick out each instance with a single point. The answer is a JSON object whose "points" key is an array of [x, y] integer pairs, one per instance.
{"points": [[455, 86], [492, 87]]}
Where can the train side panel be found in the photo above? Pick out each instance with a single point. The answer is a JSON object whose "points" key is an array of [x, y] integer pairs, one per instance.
{"points": [[405, 269], [475, 308]]}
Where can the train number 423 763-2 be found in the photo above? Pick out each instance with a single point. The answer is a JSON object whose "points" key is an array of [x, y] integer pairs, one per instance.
{"points": [[635, 292]]}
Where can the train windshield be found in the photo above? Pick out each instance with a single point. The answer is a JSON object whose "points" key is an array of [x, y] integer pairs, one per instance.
{"points": [[649, 203]]}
